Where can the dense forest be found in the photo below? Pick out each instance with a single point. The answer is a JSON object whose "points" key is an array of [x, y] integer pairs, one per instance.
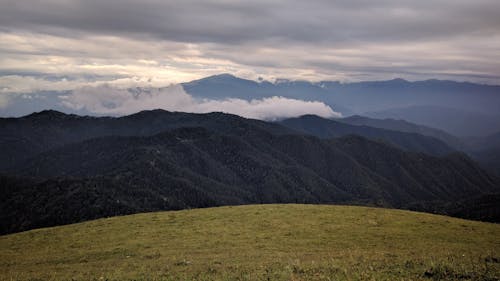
{"points": [[58, 169]]}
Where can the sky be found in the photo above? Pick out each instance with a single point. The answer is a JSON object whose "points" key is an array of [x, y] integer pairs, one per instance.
{"points": [[70, 44]]}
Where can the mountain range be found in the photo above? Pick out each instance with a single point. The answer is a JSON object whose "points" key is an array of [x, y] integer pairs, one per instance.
{"points": [[59, 168], [328, 128], [461, 108], [401, 125], [458, 108]]}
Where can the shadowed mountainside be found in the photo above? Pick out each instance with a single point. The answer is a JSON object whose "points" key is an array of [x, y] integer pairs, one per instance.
{"points": [[486, 150], [24, 137], [328, 128], [224, 160], [461, 122], [405, 126]]}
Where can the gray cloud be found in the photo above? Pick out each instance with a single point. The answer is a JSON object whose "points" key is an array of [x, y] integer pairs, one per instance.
{"points": [[231, 21], [175, 41]]}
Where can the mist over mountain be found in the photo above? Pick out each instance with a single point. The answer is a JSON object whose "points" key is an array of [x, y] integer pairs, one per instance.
{"points": [[457, 114], [459, 108], [118, 107], [109, 100], [485, 150], [462, 109], [462, 123], [358, 97], [66, 168]]}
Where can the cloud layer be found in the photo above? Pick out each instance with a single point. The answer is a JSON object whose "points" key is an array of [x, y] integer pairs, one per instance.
{"points": [[108, 100], [164, 42]]}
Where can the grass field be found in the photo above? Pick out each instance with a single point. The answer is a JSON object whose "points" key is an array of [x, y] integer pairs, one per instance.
{"points": [[258, 242]]}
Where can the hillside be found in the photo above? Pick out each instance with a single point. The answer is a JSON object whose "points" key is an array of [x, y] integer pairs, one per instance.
{"points": [[405, 126], [461, 122], [259, 242], [489, 159], [25, 137], [486, 151], [196, 167], [328, 128]]}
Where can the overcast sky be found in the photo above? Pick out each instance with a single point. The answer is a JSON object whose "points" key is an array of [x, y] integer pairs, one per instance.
{"points": [[63, 44]]}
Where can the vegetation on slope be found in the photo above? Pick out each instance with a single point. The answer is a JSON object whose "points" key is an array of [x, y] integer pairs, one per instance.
{"points": [[258, 242], [60, 169], [405, 126], [194, 167], [327, 128]]}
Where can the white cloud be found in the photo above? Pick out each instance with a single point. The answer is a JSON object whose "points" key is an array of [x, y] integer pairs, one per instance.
{"points": [[106, 99], [4, 100], [272, 108], [17, 84]]}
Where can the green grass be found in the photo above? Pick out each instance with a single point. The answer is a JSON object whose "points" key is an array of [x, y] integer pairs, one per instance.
{"points": [[258, 242]]}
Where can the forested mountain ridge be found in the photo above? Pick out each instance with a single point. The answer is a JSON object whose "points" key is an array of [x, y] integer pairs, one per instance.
{"points": [[24, 137], [328, 128], [405, 126], [220, 159]]}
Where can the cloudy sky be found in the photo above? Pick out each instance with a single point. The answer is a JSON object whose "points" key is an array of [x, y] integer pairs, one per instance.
{"points": [[60, 44], [71, 45]]}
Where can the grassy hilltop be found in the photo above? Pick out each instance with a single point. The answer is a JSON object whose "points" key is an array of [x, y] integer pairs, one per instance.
{"points": [[258, 242]]}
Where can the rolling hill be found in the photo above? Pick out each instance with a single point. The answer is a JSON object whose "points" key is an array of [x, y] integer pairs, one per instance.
{"points": [[259, 242]]}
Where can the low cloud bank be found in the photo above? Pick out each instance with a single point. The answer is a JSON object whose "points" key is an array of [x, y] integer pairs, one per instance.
{"points": [[109, 100]]}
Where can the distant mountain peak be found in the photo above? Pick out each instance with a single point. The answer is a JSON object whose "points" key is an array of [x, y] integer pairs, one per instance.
{"points": [[399, 80], [51, 114], [223, 78], [150, 112], [48, 113], [225, 75]]}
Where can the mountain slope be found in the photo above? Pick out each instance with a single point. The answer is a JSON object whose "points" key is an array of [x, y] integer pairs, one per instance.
{"points": [[457, 121], [398, 93], [260, 242], [21, 138], [195, 167], [405, 126], [327, 128], [483, 143], [486, 151]]}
